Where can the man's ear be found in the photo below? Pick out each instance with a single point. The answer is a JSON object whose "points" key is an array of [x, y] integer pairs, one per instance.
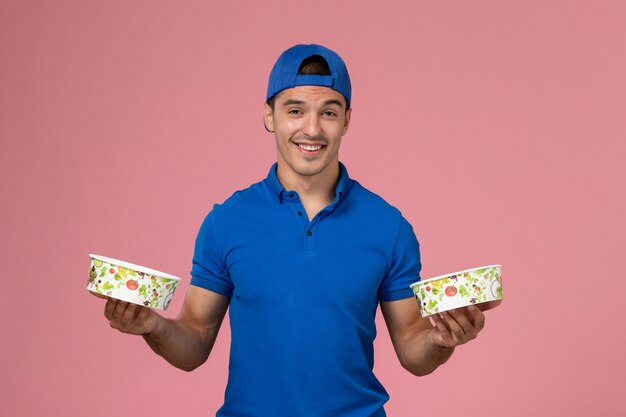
{"points": [[347, 123], [268, 118]]}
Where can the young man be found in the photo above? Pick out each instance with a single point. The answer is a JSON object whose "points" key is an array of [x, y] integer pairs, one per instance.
{"points": [[302, 259]]}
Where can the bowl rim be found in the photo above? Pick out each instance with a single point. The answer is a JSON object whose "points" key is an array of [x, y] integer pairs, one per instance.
{"points": [[454, 273], [135, 267]]}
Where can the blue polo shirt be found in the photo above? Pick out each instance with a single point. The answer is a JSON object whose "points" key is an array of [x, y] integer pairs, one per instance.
{"points": [[303, 296]]}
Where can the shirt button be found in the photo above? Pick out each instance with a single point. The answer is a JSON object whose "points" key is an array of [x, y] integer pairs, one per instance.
{"points": [[309, 233], [299, 213], [290, 195]]}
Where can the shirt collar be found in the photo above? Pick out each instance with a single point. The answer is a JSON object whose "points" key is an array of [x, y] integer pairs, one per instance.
{"points": [[343, 185]]}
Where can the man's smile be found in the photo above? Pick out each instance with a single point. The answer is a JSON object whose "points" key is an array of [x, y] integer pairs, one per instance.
{"points": [[310, 149]]}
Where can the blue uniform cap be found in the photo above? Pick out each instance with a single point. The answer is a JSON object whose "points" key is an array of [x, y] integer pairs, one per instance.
{"points": [[284, 75]]}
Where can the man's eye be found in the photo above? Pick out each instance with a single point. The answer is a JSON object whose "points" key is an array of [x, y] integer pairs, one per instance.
{"points": [[294, 111], [330, 113]]}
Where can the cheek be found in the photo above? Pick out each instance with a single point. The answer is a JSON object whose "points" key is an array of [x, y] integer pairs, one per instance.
{"points": [[337, 133], [290, 126], [285, 129]]}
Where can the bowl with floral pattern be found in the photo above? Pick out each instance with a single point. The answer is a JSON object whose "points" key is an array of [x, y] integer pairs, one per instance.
{"points": [[481, 286], [129, 282]]}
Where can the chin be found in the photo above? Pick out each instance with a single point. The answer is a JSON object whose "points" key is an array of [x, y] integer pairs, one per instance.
{"points": [[308, 170]]}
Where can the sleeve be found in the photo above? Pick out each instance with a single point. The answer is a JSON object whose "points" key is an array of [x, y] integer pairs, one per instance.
{"points": [[209, 270], [405, 266]]}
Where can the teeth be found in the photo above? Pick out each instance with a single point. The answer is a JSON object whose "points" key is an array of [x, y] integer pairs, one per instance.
{"points": [[310, 147]]}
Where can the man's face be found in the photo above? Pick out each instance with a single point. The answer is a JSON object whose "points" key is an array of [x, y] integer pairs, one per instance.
{"points": [[308, 123]]}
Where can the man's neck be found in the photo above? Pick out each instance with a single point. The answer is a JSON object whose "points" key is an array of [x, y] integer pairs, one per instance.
{"points": [[315, 191]]}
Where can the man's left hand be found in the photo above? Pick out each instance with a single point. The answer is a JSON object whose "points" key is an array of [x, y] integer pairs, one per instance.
{"points": [[456, 327]]}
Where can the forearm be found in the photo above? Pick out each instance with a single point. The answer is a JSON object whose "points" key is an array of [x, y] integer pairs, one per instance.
{"points": [[421, 356], [422, 347], [181, 344], [185, 342]]}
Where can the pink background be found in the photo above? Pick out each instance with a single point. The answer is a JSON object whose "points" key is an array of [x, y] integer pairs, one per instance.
{"points": [[497, 127]]}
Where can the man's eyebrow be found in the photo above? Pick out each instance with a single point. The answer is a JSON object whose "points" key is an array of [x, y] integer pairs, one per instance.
{"points": [[333, 101], [292, 101]]}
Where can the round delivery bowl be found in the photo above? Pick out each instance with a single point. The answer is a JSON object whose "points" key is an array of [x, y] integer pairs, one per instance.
{"points": [[480, 286], [129, 282]]}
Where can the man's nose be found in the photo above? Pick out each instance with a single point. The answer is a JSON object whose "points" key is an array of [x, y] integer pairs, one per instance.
{"points": [[312, 126]]}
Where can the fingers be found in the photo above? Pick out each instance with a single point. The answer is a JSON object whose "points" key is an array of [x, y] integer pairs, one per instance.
{"points": [[129, 313], [109, 308], [455, 324], [125, 316], [460, 326], [456, 327], [478, 317], [442, 327], [119, 311]]}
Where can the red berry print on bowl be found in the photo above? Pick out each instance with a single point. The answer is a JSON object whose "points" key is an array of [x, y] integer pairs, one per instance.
{"points": [[132, 285], [451, 291]]}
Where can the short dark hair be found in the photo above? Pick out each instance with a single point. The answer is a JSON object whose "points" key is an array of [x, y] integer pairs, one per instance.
{"points": [[313, 65]]}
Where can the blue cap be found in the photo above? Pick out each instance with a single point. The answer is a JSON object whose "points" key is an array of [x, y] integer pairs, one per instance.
{"points": [[284, 75]]}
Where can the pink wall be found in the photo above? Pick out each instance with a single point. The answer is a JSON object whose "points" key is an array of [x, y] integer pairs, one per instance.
{"points": [[497, 128]]}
